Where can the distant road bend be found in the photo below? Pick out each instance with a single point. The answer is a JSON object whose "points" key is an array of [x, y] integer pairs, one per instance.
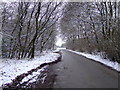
{"points": [[76, 71]]}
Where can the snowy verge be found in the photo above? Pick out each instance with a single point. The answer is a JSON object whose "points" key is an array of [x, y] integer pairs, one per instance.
{"points": [[98, 58], [33, 77], [10, 69]]}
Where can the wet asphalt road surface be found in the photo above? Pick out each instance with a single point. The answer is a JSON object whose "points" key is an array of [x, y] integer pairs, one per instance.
{"points": [[76, 71]]}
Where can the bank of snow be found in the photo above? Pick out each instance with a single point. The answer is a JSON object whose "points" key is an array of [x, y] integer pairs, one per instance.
{"points": [[9, 69], [98, 58]]}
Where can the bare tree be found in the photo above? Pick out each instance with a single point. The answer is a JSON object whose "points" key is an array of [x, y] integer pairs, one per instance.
{"points": [[32, 24], [92, 27]]}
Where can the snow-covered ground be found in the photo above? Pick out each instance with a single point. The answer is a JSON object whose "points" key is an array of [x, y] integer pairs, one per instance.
{"points": [[34, 76], [98, 58], [9, 69]]}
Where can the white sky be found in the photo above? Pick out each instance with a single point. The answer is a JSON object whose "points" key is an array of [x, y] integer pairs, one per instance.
{"points": [[61, 0], [59, 42]]}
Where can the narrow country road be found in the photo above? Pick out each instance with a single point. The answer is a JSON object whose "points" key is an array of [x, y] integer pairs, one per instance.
{"points": [[76, 71]]}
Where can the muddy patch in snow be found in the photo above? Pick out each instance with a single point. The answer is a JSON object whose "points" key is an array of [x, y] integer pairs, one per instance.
{"points": [[40, 77]]}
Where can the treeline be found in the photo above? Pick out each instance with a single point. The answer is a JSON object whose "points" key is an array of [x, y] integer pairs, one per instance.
{"points": [[93, 27], [28, 27]]}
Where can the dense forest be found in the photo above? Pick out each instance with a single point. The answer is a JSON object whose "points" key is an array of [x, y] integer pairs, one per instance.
{"points": [[28, 27], [93, 27]]}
